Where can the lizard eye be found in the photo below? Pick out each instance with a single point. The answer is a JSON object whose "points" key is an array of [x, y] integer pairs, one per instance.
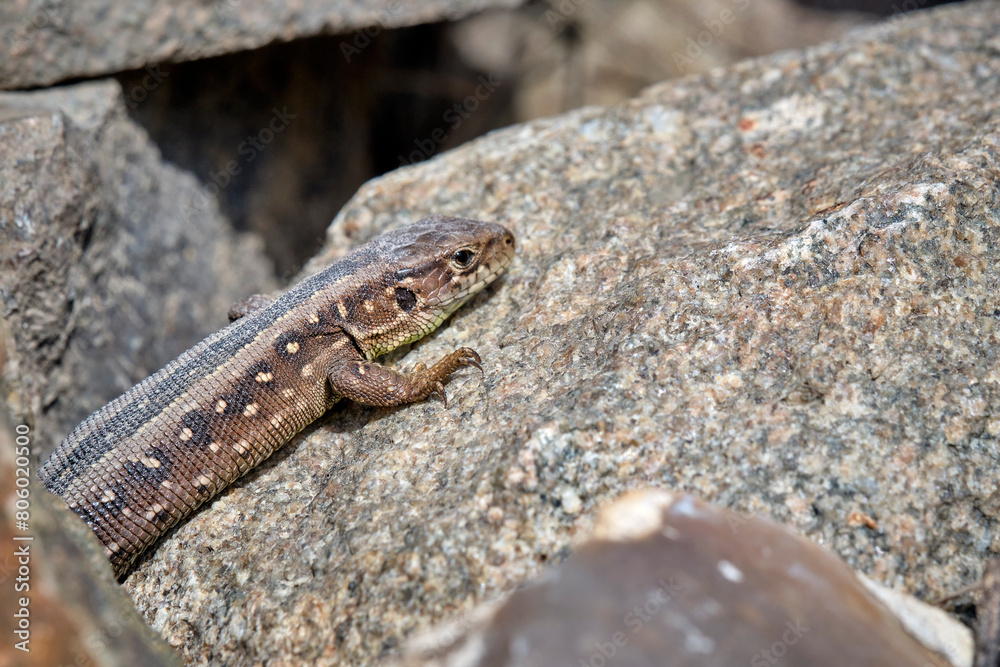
{"points": [[462, 259]]}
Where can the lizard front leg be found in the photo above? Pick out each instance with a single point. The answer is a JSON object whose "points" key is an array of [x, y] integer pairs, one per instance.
{"points": [[370, 383]]}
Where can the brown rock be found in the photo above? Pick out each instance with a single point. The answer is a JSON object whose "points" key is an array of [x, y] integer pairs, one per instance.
{"points": [[670, 580]]}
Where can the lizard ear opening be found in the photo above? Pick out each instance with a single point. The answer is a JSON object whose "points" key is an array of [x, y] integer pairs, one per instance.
{"points": [[406, 299]]}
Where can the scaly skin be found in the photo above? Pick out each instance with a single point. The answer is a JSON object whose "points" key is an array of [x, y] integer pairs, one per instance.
{"points": [[149, 458]]}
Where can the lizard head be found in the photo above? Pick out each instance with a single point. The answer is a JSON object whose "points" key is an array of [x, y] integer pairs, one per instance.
{"points": [[434, 266]]}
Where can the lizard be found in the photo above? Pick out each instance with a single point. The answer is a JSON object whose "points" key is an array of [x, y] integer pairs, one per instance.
{"points": [[148, 459]]}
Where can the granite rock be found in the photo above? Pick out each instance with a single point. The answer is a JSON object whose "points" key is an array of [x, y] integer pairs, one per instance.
{"points": [[47, 41], [670, 580], [104, 277], [773, 286]]}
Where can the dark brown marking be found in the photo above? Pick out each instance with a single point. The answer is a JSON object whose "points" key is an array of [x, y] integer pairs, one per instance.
{"points": [[198, 425], [238, 399], [406, 299], [84, 514], [246, 450], [318, 324], [423, 269], [260, 368], [143, 474], [119, 502], [354, 302], [289, 346], [200, 487]]}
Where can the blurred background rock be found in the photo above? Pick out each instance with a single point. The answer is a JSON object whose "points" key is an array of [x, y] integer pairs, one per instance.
{"points": [[367, 102]]}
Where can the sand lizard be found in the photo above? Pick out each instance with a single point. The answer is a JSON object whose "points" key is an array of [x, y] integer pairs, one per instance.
{"points": [[149, 458]]}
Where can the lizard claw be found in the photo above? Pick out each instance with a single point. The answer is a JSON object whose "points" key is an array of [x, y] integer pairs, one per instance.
{"points": [[469, 357], [431, 381], [439, 390]]}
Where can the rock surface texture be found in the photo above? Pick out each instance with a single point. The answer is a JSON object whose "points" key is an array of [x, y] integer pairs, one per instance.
{"points": [[773, 286], [671, 580], [46, 41]]}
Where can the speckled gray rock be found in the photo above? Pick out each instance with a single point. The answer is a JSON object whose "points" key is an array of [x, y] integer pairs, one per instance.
{"points": [[773, 286], [104, 277], [46, 41], [670, 580]]}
